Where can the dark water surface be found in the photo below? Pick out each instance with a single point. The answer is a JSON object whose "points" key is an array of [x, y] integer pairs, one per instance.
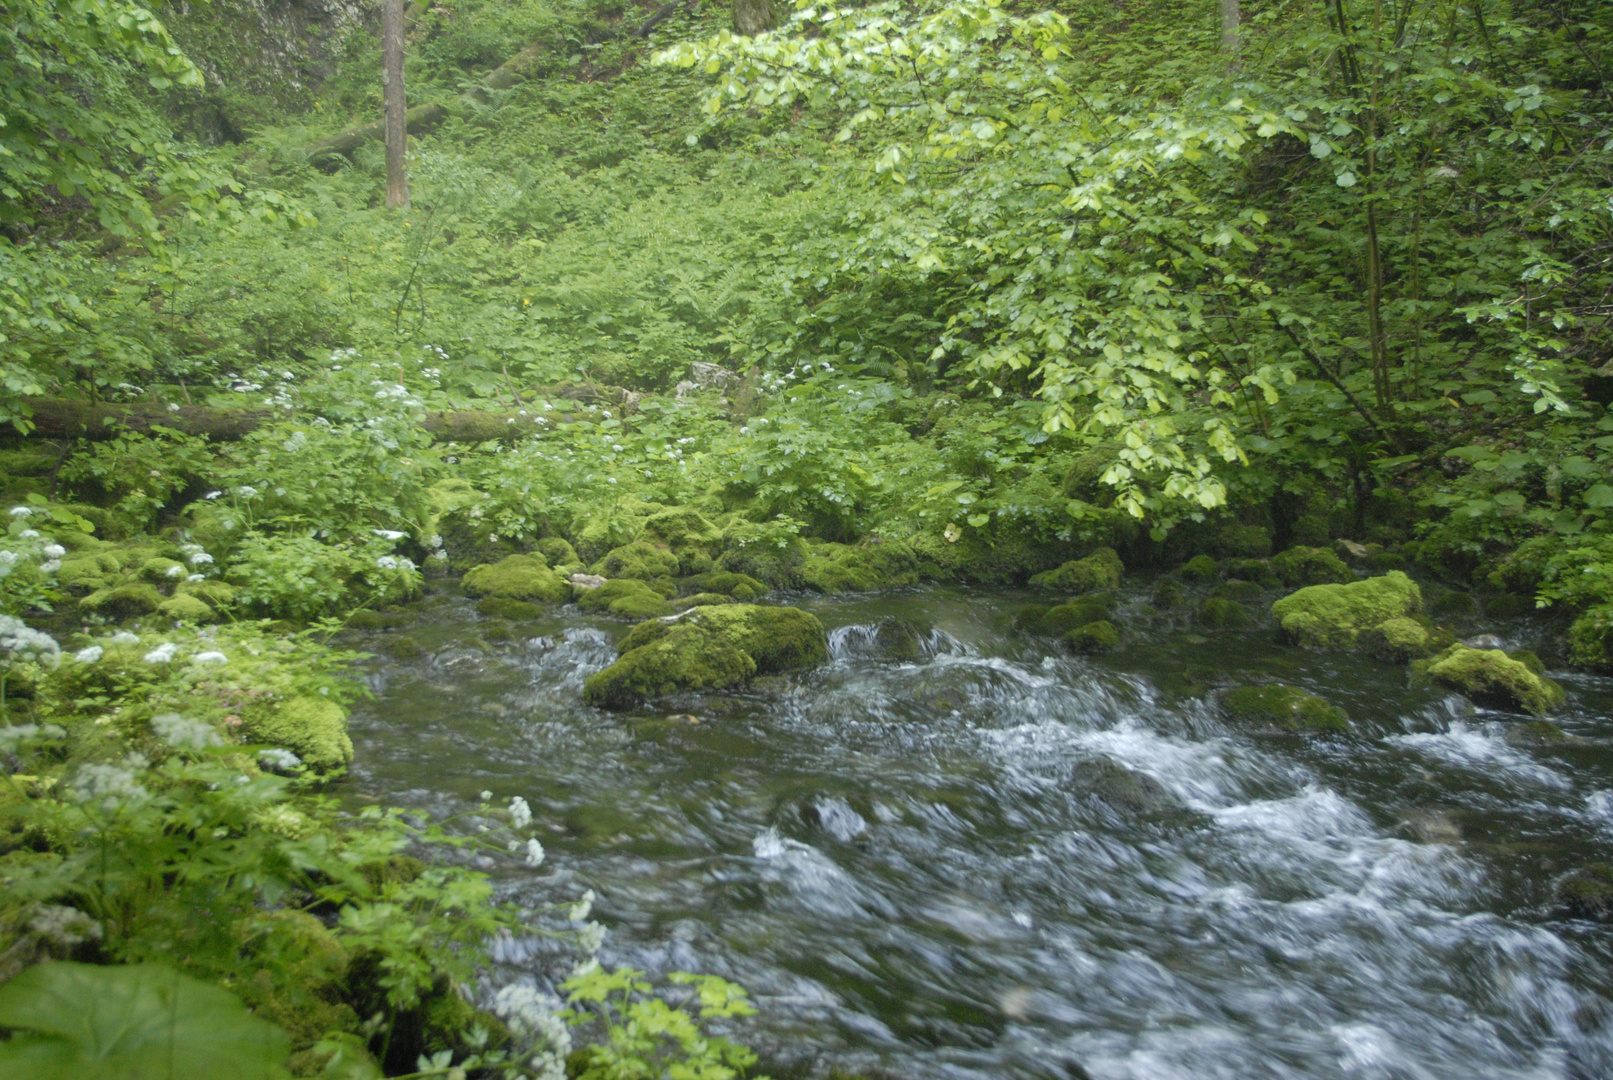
{"points": [[923, 861]]}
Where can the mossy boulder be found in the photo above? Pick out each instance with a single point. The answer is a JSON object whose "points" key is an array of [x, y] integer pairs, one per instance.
{"points": [[123, 601], [502, 607], [707, 649], [216, 594], [85, 575], [187, 609], [313, 728], [517, 577], [764, 552], [639, 560], [741, 587], [1219, 613], [1590, 639], [1100, 570], [1258, 571], [703, 599], [627, 597], [1095, 637], [1537, 733], [1060, 619], [868, 567], [687, 533], [1335, 616], [1005, 558], [1491, 677], [1168, 595], [1286, 708], [1404, 638], [161, 571], [1587, 892], [558, 551], [1200, 568], [1310, 566]]}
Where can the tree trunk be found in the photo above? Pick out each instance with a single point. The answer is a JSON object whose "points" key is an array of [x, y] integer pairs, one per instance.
{"points": [[751, 17], [421, 118], [1230, 24], [397, 124]]}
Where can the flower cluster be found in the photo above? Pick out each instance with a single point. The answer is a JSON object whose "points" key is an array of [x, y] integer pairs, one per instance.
{"points": [[185, 734]]}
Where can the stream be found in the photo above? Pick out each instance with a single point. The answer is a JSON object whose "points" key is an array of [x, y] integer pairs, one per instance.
{"points": [[958, 852]]}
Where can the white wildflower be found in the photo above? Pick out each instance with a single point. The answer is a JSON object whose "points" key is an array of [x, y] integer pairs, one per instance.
{"points": [[278, 759], [162, 654], [211, 656], [109, 786], [185, 734], [534, 852], [389, 534], [212, 494], [54, 551], [89, 655], [246, 491], [14, 735], [520, 812], [195, 577], [487, 796], [124, 637], [22, 511], [9, 558], [29, 534], [582, 908], [201, 558], [51, 566], [434, 541], [297, 441], [590, 938], [26, 643], [534, 1015], [174, 571]]}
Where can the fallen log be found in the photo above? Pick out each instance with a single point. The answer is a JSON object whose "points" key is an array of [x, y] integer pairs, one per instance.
{"points": [[419, 120], [62, 418]]}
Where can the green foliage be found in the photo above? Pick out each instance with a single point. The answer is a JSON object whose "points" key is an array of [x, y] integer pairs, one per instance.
{"points": [[79, 1020], [645, 1038]]}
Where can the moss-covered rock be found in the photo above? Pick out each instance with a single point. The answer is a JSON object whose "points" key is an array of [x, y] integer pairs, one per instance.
{"points": [[1404, 638], [558, 551], [216, 594], [1587, 892], [1219, 613], [1590, 639], [838, 568], [1008, 558], [765, 552], [161, 571], [741, 587], [1537, 733], [187, 609], [627, 597], [1335, 616], [517, 577], [1095, 637], [502, 607], [702, 599], [1100, 570], [1384, 561], [84, 575], [1491, 677], [1168, 595], [1200, 568], [313, 728], [692, 537], [1258, 571], [1060, 619], [123, 601], [1284, 707], [639, 560], [1310, 566], [709, 648]]}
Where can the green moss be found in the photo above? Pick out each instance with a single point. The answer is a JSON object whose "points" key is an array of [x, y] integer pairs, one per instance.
{"points": [[217, 594], [685, 532], [82, 576], [1529, 659], [1286, 707], [161, 571], [1256, 570], [637, 560], [502, 607], [686, 657], [838, 568], [1095, 637], [1335, 616], [1310, 566], [402, 647], [741, 587], [1168, 595], [1403, 638], [558, 551], [1537, 733], [1062, 618], [1587, 892], [1100, 570], [627, 597], [517, 577], [1200, 568], [1450, 603], [703, 599], [1590, 639], [313, 728], [1008, 558], [1237, 589], [1238, 541], [779, 639], [1491, 677], [187, 609], [1220, 613], [123, 601], [1384, 561]]}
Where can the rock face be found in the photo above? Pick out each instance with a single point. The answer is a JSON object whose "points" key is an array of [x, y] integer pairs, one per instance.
{"points": [[1335, 616], [518, 577], [708, 648], [1286, 708], [1491, 677], [1100, 570]]}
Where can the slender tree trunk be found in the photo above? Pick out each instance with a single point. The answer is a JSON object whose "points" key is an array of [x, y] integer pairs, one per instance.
{"points": [[397, 133], [1231, 22], [751, 17]]}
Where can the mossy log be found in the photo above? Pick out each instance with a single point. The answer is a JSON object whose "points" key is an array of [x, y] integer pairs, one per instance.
{"points": [[64, 418], [420, 119]]}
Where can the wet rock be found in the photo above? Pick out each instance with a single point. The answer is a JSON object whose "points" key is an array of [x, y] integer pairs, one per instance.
{"points": [[1237, 589], [313, 728], [1200, 568], [706, 649], [1060, 619], [1219, 613], [517, 577], [1258, 571], [1100, 570], [1168, 595], [1490, 677], [638, 560], [1287, 708], [1430, 827], [1310, 566], [1538, 733], [586, 581], [1484, 641], [1335, 616], [627, 597], [903, 641], [838, 568], [1093, 638], [1403, 639], [1587, 893], [1121, 788], [401, 647]]}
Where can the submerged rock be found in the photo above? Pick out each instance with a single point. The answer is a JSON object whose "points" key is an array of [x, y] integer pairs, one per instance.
{"points": [[1095, 637], [1285, 707], [1491, 677], [1587, 893], [1168, 594], [1121, 788], [502, 607], [1335, 616], [517, 577], [1100, 570], [706, 649]]}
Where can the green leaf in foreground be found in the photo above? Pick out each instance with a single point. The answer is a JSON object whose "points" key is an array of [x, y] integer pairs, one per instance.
{"points": [[87, 1022]]}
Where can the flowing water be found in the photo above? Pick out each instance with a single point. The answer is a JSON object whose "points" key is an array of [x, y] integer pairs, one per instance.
{"points": [[956, 852]]}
